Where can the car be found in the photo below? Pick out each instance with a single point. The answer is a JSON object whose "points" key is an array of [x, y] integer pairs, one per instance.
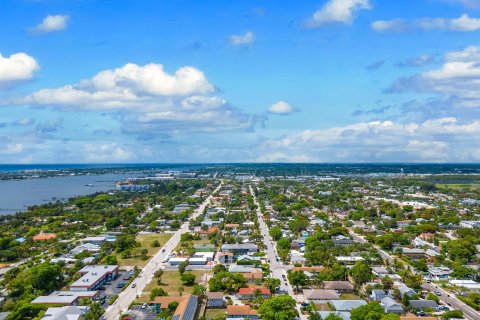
{"points": [[127, 278], [443, 308], [102, 288], [163, 250], [120, 284], [144, 306], [438, 293], [429, 281], [422, 314], [134, 285]]}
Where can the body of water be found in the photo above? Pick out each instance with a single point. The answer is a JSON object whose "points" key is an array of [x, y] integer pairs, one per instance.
{"points": [[19, 194]]}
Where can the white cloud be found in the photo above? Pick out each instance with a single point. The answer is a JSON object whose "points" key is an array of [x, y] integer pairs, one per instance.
{"points": [[281, 107], [51, 23], [17, 67], [437, 140], [238, 40], [148, 100], [127, 87], [13, 149], [464, 23], [337, 11], [459, 77]]}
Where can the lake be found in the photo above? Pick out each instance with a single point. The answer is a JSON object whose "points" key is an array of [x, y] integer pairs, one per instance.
{"points": [[18, 195]]}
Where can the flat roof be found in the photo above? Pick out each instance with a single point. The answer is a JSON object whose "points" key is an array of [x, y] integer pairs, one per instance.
{"points": [[93, 274]]}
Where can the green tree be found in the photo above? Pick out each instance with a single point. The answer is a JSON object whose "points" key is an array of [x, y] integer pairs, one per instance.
{"points": [[361, 272], [182, 267], [297, 279], [278, 308], [271, 283], [188, 279], [276, 233], [157, 292], [370, 311]]}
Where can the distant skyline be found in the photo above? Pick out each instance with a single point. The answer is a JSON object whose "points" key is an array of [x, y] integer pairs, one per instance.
{"points": [[90, 81]]}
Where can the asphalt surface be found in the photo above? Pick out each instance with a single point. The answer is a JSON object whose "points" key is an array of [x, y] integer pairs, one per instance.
{"points": [[146, 275], [451, 300], [277, 269]]}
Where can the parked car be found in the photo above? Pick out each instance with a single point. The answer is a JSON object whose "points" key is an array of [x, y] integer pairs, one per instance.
{"points": [[443, 308], [144, 306]]}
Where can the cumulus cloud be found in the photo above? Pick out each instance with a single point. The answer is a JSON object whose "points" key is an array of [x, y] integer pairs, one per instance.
{"points": [[337, 12], [281, 107], [239, 40], [459, 77], [150, 100], [17, 67], [464, 23], [438, 140], [50, 23]]}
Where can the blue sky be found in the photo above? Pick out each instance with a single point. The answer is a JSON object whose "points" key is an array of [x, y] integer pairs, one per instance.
{"points": [[238, 81]]}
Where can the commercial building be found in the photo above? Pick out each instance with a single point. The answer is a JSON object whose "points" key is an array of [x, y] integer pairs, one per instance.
{"points": [[94, 277]]}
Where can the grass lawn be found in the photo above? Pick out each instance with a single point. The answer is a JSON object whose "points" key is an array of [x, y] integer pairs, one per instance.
{"points": [[215, 313], [349, 296], [146, 243], [171, 282], [458, 187]]}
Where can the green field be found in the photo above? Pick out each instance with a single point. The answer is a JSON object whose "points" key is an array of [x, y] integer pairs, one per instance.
{"points": [[171, 282], [146, 243]]}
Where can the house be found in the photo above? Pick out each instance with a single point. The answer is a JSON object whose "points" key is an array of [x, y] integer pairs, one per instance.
{"points": [[65, 298], [438, 273], [426, 236], [468, 285], [377, 295], [90, 247], [347, 305], [226, 257], [94, 277], [248, 259], [320, 295], [379, 270], [241, 312], [421, 305], [215, 300], [403, 223], [239, 249], [414, 253], [252, 292], [186, 308], [342, 241], [470, 224], [405, 290], [339, 286], [94, 240], [392, 306], [67, 312], [345, 315]]}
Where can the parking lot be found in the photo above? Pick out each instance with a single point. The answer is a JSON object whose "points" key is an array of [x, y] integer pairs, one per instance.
{"points": [[111, 289], [137, 313]]}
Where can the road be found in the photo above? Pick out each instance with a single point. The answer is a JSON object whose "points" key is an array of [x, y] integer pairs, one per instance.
{"points": [[146, 275], [446, 297], [451, 300], [277, 269]]}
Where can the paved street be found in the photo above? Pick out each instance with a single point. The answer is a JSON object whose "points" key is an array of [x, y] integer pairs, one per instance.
{"points": [[146, 275], [276, 267], [451, 300]]}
